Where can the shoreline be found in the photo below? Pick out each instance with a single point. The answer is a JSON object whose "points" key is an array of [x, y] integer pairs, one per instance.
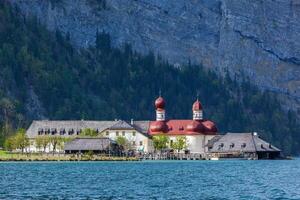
{"points": [[49, 157], [15, 157]]}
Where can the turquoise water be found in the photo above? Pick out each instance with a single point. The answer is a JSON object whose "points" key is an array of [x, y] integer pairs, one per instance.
{"points": [[151, 180]]}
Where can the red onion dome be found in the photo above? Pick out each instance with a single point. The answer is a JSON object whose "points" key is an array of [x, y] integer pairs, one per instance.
{"points": [[197, 105], [158, 126], [195, 126], [209, 126], [160, 103]]}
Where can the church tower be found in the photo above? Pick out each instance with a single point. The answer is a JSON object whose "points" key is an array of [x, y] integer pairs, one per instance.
{"points": [[160, 109], [197, 110]]}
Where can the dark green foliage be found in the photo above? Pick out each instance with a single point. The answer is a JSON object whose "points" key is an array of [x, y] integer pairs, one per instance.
{"points": [[103, 82]]}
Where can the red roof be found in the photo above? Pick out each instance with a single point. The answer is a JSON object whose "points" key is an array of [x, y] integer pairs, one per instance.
{"points": [[160, 103], [183, 127]]}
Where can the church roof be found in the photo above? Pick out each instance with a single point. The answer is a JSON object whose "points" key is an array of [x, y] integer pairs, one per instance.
{"points": [[181, 127]]}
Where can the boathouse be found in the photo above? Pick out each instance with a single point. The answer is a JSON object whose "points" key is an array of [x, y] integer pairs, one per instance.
{"points": [[95, 145]]}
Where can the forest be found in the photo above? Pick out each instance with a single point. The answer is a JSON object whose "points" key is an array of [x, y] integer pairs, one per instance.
{"points": [[42, 76]]}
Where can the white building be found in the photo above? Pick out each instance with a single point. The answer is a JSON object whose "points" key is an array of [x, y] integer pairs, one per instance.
{"points": [[135, 133]]}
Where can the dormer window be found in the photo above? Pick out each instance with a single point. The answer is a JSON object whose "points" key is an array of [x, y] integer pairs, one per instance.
{"points": [[53, 131], [78, 131], [62, 131], [243, 145], [71, 131], [221, 146], [40, 131], [231, 145], [47, 131]]}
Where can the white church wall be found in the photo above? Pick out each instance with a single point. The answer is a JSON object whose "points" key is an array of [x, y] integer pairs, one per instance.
{"points": [[195, 143]]}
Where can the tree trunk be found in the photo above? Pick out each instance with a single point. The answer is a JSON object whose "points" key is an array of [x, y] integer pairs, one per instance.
{"points": [[54, 148]]}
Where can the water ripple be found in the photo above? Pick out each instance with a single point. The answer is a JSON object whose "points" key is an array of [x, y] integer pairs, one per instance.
{"points": [[151, 180]]}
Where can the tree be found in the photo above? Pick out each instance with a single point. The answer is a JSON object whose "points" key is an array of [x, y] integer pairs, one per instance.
{"points": [[9, 144], [160, 142], [45, 140], [124, 143], [121, 141], [55, 141], [180, 143], [61, 144], [89, 132], [21, 140], [42, 142]]}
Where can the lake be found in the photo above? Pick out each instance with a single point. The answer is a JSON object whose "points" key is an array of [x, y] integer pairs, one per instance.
{"points": [[262, 179]]}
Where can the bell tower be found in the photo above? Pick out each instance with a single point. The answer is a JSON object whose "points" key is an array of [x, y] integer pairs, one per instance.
{"points": [[160, 109], [197, 110]]}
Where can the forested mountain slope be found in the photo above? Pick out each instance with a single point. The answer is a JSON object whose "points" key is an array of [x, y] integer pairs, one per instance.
{"points": [[256, 38], [43, 76]]}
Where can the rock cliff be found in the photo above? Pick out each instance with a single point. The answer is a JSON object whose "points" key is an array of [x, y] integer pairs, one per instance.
{"points": [[258, 39]]}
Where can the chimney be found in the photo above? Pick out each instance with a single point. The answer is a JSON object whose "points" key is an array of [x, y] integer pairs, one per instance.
{"points": [[131, 121]]}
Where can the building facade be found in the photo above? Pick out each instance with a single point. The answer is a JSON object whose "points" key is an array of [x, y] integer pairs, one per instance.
{"points": [[134, 132]]}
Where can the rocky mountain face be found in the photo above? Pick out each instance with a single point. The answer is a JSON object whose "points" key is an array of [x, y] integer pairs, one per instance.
{"points": [[257, 39]]}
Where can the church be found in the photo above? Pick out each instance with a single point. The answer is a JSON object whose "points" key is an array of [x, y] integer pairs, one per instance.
{"points": [[201, 134]]}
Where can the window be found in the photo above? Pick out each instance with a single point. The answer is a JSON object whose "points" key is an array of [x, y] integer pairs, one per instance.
{"points": [[107, 133], [62, 131], [243, 145], [117, 133], [71, 131], [141, 143], [40, 131], [123, 133], [133, 142], [133, 133], [47, 131], [53, 131]]}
